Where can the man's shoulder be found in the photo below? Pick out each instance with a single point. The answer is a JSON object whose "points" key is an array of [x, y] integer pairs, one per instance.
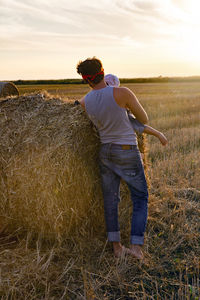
{"points": [[86, 97], [122, 90], [120, 93]]}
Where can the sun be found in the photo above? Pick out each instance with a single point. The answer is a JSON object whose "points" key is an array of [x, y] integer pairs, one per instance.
{"points": [[190, 30], [192, 46], [189, 44], [190, 7]]}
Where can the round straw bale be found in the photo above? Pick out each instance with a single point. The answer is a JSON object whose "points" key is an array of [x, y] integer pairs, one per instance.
{"points": [[8, 89], [50, 181]]}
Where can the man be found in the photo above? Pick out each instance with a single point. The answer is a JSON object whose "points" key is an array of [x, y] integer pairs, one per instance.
{"points": [[119, 155]]}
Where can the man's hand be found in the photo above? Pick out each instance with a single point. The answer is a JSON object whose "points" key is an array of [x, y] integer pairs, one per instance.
{"points": [[76, 102], [81, 102]]}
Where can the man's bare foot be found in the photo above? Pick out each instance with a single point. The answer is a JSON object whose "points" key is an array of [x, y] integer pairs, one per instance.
{"points": [[136, 251], [119, 250], [162, 138]]}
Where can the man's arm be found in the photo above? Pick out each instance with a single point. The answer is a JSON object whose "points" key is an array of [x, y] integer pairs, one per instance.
{"points": [[82, 102], [126, 99]]}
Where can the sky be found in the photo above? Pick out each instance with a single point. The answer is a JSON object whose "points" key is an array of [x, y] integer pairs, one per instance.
{"points": [[45, 39]]}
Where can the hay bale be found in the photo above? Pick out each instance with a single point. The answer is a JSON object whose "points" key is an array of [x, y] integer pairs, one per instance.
{"points": [[49, 163], [8, 89]]}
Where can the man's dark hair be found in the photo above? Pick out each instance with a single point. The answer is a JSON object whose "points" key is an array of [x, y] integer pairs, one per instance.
{"points": [[91, 66]]}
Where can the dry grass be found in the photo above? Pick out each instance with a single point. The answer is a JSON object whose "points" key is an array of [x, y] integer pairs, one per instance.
{"points": [[59, 263]]}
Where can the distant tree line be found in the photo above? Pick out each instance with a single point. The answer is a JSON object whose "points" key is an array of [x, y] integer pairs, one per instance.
{"points": [[159, 79], [48, 81]]}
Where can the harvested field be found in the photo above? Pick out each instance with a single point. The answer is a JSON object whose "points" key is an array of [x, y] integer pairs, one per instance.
{"points": [[53, 246]]}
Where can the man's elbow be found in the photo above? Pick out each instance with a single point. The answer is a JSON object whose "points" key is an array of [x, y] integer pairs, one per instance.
{"points": [[145, 119]]}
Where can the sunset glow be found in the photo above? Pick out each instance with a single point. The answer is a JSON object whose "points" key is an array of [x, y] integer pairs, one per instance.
{"points": [[134, 38]]}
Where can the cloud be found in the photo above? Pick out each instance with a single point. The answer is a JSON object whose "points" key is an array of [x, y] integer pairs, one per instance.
{"points": [[136, 29], [139, 19], [41, 23], [36, 15]]}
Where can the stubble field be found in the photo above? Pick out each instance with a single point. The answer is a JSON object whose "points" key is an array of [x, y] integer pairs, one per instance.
{"points": [[174, 109], [85, 268]]}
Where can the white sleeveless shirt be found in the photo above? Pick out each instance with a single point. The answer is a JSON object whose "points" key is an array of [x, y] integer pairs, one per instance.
{"points": [[110, 119]]}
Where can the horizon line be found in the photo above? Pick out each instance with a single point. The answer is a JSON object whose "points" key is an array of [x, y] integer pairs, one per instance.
{"points": [[121, 78]]}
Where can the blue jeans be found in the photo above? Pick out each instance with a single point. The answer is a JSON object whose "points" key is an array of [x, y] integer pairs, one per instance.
{"points": [[116, 163]]}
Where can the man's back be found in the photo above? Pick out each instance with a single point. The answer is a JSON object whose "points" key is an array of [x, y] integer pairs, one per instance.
{"points": [[111, 120]]}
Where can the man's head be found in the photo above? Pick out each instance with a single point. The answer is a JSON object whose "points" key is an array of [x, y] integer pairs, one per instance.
{"points": [[91, 70]]}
